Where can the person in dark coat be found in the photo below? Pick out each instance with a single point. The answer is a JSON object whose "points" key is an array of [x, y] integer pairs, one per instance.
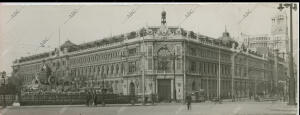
{"points": [[88, 97], [92, 97], [188, 101], [152, 98], [95, 98]]}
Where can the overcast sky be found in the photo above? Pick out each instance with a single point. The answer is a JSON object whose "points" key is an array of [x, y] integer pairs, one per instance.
{"points": [[22, 32]]}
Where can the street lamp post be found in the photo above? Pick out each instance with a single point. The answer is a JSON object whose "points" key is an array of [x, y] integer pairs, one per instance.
{"points": [[143, 77], [233, 73], [292, 100], [219, 75], [174, 87], [103, 90]]}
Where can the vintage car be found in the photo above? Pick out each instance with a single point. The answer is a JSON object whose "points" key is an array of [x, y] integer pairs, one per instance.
{"points": [[198, 96]]}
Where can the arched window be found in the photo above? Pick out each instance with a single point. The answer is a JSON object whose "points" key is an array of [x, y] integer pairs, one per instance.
{"points": [[112, 69], [107, 69], [98, 70], [132, 89], [102, 70], [122, 68], [117, 68], [90, 70]]}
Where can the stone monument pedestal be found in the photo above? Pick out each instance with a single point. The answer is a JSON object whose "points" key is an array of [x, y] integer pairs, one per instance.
{"points": [[16, 102]]}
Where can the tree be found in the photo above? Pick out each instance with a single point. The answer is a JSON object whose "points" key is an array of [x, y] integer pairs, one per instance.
{"points": [[16, 83]]}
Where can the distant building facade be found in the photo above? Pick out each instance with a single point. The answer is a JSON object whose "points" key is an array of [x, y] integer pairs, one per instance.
{"points": [[279, 32], [276, 40], [256, 41], [159, 54]]}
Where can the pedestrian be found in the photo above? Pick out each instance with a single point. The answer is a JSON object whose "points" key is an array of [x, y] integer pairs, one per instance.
{"points": [[87, 98], [188, 101], [92, 98], [152, 99], [95, 98]]}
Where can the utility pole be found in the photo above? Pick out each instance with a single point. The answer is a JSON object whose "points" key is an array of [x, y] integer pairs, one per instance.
{"points": [[103, 88], [143, 71], [3, 75], [174, 87], [184, 71], [233, 73], [247, 73], [292, 99], [255, 86], [219, 74]]}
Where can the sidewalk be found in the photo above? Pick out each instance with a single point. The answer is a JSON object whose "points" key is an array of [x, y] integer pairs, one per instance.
{"points": [[112, 105], [82, 105], [282, 106]]}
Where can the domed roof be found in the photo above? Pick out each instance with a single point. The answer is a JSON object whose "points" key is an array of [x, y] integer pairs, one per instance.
{"points": [[226, 37], [68, 44]]}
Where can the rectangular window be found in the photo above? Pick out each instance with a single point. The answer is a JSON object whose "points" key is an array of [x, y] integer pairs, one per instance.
{"points": [[245, 71], [212, 68], [229, 70], [149, 50], [236, 70], [193, 52], [209, 68], [223, 69], [205, 67], [240, 72], [178, 50], [217, 68], [193, 66], [178, 64], [132, 51], [150, 64], [132, 67], [200, 67]]}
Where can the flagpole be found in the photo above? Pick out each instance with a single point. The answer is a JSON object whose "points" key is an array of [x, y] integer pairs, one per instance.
{"points": [[59, 37]]}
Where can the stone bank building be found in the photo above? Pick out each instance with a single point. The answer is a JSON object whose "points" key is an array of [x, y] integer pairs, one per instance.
{"points": [[164, 60]]}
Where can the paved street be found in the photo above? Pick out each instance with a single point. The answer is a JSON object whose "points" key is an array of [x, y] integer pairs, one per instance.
{"points": [[227, 108]]}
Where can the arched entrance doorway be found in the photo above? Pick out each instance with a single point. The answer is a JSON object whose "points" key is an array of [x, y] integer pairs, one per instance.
{"points": [[132, 93], [164, 65], [164, 90], [131, 89]]}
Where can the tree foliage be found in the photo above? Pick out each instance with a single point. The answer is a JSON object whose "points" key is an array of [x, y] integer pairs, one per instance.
{"points": [[13, 86]]}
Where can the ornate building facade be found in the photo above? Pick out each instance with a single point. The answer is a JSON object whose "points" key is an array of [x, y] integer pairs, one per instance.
{"points": [[276, 40], [164, 60]]}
